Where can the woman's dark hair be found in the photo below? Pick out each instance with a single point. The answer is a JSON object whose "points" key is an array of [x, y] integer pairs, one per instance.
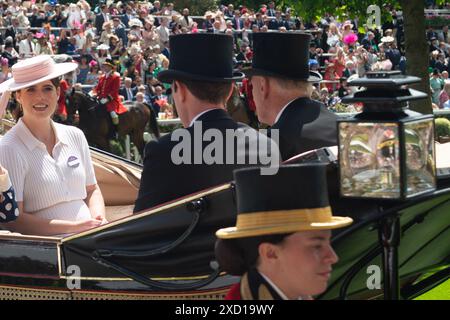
{"points": [[19, 111], [237, 256]]}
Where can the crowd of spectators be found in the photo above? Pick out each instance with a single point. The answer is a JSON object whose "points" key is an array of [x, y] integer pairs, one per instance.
{"points": [[136, 36]]}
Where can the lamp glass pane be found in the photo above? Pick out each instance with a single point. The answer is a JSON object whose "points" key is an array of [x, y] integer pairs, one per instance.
{"points": [[420, 157], [369, 159]]}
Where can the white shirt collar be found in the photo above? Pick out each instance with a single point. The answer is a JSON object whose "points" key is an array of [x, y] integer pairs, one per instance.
{"points": [[199, 115], [281, 111], [31, 141], [278, 290]]}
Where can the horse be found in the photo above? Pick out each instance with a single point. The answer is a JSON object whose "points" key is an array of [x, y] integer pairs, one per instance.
{"points": [[238, 108], [96, 123]]}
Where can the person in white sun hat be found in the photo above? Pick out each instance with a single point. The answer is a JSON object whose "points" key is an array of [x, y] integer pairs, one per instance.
{"points": [[49, 163]]}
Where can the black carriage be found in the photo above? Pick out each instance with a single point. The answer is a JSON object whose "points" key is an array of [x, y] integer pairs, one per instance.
{"points": [[167, 252]]}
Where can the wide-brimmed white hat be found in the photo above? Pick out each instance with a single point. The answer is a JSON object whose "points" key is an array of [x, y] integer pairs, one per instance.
{"points": [[103, 47], [30, 72], [135, 22], [387, 39]]}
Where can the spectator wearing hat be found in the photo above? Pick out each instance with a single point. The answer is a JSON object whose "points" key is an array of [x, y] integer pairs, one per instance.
{"points": [[80, 38], [119, 30], [278, 22], [344, 89], [149, 36], [444, 95], [101, 18], [102, 53], [271, 11], [347, 27], [163, 31], [52, 199], [431, 34], [282, 90], [369, 41], [83, 69], [5, 73], [93, 74], [127, 92], [42, 46], [201, 74], [114, 47], [436, 84], [280, 246], [107, 91], [238, 23], [12, 31], [441, 64], [63, 42], [186, 21], [107, 32], [27, 47], [127, 17], [208, 22]]}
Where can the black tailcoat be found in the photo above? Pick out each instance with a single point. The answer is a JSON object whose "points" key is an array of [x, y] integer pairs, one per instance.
{"points": [[163, 181], [304, 125]]}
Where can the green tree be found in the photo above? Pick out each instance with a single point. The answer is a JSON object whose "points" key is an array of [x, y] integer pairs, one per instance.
{"points": [[196, 7], [416, 46], [251, 4]]}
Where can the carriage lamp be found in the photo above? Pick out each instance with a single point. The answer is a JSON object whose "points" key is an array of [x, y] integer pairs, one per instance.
{"points": [[386, 151]]}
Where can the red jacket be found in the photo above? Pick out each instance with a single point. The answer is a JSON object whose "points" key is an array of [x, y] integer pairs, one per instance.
{"points": [[64, 86], [108, 87], [234, 293]]}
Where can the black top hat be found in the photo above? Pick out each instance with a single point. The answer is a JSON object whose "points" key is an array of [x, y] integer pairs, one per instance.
{"points": [[109, 62], [201, 57], [294, 199], [284, 55]]}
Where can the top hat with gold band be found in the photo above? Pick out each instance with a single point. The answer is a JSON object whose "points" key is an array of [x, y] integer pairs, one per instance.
{"points": [[109, 62], [294, 199]]}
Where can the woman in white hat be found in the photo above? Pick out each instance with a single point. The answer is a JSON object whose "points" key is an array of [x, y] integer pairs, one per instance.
{"points": [[49, 163]]}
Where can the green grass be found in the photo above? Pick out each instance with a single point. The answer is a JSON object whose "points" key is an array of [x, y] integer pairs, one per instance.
{"points": [[441, 292]]}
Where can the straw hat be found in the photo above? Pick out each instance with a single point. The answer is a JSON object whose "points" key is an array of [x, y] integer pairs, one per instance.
{"points": [[347, 23], [387, 39], [295, 199], [30, 72], [135, 22], [103, 47]]}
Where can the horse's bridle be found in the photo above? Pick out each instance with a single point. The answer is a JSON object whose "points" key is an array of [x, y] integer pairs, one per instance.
{"points": [[94, 100]]}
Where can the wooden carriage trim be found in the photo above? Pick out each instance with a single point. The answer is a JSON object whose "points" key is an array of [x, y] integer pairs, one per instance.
{"points": [[154, 210], [129, 279], [21, 293]]}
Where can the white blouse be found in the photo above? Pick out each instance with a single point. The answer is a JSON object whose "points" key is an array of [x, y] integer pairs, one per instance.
{"points": [[50, 187]]}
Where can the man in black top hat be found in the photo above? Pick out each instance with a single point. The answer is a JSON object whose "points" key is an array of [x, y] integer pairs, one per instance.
{"points": [[280, 245], [282, 90], [201, 74]]}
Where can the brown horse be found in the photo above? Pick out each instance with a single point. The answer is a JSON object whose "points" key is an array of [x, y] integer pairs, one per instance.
{"points": [[237, 108], [95, 121]]}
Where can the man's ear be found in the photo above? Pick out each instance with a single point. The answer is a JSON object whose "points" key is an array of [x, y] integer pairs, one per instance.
{"points": [[265, 87], [230, 93], [181, 90]]}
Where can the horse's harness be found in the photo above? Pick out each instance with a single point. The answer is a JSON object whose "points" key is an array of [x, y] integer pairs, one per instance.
{"points": [[95, 101]]}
